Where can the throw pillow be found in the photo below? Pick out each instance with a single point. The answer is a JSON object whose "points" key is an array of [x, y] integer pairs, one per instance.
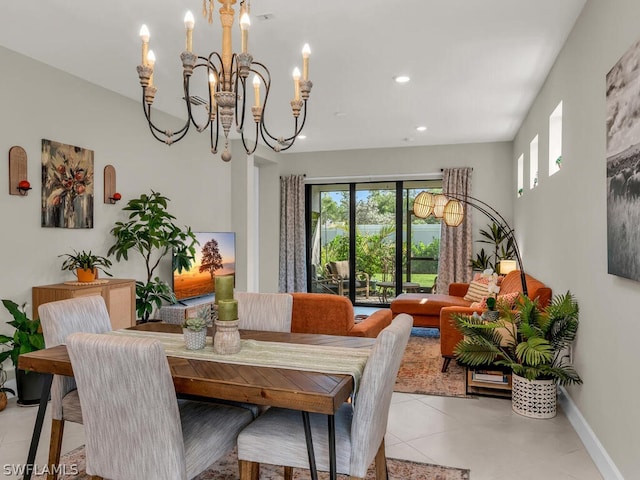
{"points": [[508, 299], [476, 291], [341, 268]]}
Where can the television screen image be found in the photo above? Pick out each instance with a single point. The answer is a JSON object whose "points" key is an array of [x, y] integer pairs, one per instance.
{"points": [[215, 255]]}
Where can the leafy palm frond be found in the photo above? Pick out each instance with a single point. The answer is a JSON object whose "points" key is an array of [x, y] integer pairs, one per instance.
{"points": [[535, 352], [473, 354]]}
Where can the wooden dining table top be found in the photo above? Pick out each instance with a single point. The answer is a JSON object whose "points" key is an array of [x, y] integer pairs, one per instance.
{"points": [[281, 387]]}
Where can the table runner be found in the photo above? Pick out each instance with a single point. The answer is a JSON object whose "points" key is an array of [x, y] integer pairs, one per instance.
{"points": [[311, 358]]}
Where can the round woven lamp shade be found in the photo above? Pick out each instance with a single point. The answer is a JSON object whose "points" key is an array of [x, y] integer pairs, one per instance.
{"points": [[438, 208], [423, 205], [453, 213]]}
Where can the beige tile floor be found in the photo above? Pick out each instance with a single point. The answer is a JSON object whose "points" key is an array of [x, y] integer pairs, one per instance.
{"points": [[481, 434]]}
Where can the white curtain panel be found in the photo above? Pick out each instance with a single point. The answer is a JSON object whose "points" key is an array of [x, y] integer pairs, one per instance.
{"points": [[293, 272], [455, 242]]}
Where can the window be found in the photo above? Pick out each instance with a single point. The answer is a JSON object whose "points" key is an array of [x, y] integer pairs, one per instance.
{"points": [[520, 175], [362, 225], [555, 140], [533, 163]]}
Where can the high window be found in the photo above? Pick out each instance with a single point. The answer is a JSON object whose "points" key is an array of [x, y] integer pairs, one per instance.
{"points": [[533, 163], [520, 175], [555, 140]]}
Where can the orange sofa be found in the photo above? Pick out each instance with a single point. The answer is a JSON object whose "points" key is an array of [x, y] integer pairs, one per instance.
{"points": [[329, 314], [449, 334]]}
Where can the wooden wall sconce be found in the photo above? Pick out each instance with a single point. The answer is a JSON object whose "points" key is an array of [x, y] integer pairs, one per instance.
{"points": [[110, 194], [18, 183]]}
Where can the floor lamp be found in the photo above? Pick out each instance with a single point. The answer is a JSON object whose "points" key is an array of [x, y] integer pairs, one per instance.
{"points": [[449, 208]]}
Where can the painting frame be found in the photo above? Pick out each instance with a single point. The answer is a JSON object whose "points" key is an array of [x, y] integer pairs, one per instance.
{"points": [[67, 185]]}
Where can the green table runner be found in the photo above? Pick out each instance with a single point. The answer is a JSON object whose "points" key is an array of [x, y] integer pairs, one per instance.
{"points": [[311, 358]]}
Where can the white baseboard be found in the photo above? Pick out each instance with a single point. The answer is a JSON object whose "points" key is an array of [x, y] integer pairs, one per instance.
{"points": [[595, 449]]}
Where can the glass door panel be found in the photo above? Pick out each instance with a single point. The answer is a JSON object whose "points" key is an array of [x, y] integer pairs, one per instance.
{"points": [[375, 242]]}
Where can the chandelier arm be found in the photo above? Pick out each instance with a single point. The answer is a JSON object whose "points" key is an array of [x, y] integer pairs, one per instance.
{"points": [[250, 151], [240, 127], [187, 97], [214, 145], [497, 218], [164, 136]]}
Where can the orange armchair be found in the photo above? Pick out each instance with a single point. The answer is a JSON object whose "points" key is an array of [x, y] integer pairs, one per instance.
{"points": [[328, 314]]}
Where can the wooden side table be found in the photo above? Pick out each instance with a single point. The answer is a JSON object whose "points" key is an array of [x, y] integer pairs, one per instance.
{"points": [[489, 382]]}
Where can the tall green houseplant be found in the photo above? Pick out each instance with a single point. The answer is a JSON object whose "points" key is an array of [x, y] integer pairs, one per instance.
{"points": [[151, 232]]}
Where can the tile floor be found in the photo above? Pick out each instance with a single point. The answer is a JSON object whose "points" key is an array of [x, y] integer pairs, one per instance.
{"points": [[481, 434]]}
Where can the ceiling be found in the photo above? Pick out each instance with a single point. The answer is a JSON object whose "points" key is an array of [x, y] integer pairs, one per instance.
{"points": [[475, 65]]}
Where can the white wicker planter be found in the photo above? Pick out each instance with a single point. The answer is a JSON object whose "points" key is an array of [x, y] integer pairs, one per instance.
{"points": [[195, 340], [534, 398]]}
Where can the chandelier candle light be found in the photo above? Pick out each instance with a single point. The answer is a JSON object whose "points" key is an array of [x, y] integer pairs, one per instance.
{"points": [[227, 74]]}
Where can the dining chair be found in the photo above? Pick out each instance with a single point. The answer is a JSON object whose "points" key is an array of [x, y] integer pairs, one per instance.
{"points": [[135, 427], [264, 311], [58, 320], [277, 436]]}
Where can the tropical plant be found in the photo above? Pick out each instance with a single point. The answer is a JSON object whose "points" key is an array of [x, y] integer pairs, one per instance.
{"points": [[150, 231], [531, 342], [27, 336], [86, 261], [503, 246]]}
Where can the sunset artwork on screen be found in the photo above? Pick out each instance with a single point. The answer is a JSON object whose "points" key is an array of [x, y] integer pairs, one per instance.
{"points": [[215, 256]]}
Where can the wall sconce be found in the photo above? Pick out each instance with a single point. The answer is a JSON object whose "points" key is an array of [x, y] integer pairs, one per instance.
{"points": [[23, 187], [18, 183], [110, 194]]}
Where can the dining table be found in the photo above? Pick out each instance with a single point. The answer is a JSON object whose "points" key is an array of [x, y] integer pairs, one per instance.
{"points": [[303, 389]]}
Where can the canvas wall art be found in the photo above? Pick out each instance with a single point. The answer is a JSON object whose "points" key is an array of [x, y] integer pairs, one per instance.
{"points": [[623, 165], [67, 186]]}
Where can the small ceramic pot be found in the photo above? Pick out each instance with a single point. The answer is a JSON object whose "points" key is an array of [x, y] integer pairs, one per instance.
{"points": [[195, 340]]}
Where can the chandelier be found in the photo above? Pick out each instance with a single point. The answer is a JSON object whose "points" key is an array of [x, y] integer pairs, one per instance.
{"points": [[227, 74]]}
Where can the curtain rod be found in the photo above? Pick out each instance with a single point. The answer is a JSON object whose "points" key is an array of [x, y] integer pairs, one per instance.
{"points": [[442, 169], [375, 178]]}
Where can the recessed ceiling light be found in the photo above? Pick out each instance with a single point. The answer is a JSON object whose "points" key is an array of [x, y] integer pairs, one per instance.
{"points": [[421, 128], [302, 137], [401, 78]]}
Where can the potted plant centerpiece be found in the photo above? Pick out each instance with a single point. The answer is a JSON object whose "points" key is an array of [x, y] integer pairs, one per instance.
{"points": [[195, 333], [533, 343], [85, 265], [150, 231], [27, 338]]}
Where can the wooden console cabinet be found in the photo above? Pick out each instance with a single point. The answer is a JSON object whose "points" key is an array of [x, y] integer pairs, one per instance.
{"points": [[118, 294]]}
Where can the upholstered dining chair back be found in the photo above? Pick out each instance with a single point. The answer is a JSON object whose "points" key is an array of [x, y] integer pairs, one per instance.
{"points": [[277, 436], [264, 311], [371, 409], [59, 320], [134, 425]]}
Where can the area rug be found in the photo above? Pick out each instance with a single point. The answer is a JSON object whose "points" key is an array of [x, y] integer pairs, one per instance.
{"points": [[227, 469], [421, 364]]}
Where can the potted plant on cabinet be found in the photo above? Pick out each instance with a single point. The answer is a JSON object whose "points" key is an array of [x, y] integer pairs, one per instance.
{"points": [[150, 231], [85, 265], [533, 343], [27, 338]]}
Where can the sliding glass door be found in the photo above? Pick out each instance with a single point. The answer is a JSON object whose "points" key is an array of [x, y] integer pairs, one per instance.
{"points": [[363, 241]]}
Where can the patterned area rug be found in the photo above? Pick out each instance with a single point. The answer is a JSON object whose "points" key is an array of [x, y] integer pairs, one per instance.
{"points": [[421, 364], [227, 469]]}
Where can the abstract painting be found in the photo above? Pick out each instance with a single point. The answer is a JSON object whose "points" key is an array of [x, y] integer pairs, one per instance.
{"points": [[623, 165], [67, 186]]}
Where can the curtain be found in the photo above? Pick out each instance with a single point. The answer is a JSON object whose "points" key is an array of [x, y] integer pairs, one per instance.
{"points": [[293, 272], [455, 242]]}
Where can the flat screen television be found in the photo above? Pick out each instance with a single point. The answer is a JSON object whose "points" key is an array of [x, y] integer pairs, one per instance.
{"points": [[215, 255]]}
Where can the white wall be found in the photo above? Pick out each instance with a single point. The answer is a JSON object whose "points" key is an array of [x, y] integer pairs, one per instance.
{"points": [[561, 227], [40, 102], [492, 173]]}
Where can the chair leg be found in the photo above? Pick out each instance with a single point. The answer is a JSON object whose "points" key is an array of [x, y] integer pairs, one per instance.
{"points": [[381, 463], [249, 470], [288, 473], [55, 446], [445, 363]]}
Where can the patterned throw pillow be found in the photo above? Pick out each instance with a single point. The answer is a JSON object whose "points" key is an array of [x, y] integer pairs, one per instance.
{"points": [[508, 299], [476, 291]]}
